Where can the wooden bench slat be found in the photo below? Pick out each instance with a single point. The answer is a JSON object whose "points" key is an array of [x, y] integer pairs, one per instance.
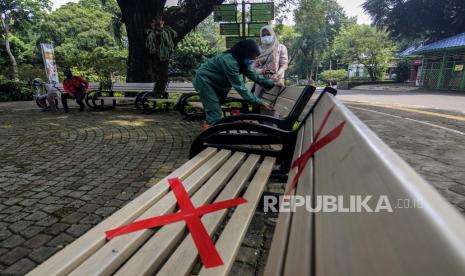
{"points": [[276, 259], [75, 253], [152, 262], [108, 258], [299, 247], [231, 238], [416, 241], [116, 98], [162, 100]]}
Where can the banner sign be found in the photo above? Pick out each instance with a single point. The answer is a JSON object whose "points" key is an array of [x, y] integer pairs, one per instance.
{"points": [[230, 29], [225, 13], [262, 11], [48, 56], [254, 28], [458, 68]]}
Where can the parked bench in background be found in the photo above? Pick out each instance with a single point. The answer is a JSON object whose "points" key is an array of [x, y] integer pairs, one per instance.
{"points": [[174, 90], [189, 104], [132, 92]]}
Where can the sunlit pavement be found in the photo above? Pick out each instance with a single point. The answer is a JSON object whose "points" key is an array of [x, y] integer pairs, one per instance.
{"points": [[432, 141]]}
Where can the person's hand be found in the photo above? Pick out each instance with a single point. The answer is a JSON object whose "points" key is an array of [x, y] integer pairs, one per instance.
{"points": [[274, 77], [266, 107], [279, 83]]}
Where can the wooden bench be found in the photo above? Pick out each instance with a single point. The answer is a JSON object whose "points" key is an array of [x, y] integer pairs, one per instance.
{"points": [[290, 105], [417, 241], [211, 176], [93, 87], [424, 241], [174, 91], [189, 104], [132, 92]]}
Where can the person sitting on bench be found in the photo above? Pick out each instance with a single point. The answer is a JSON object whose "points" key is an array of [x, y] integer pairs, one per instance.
{"points": [[74, 86], [216, 77]]}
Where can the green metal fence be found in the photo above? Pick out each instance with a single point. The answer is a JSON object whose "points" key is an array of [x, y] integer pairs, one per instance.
{"points": [[445, 71]]}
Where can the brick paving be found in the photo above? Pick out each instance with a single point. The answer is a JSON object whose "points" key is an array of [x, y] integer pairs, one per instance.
{"points": [[61, 174]]}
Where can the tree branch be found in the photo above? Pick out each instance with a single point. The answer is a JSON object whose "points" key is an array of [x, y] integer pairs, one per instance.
{"points": [[189, 15]]}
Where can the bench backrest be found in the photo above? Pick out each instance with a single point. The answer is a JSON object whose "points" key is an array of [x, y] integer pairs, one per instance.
{"points": [[417, 241], [180, 87], [93, 87], [132, 86]]}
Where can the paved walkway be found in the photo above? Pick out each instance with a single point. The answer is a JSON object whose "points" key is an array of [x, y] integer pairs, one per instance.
{"points": [[62, 174], [441, 100], [431, 141]]}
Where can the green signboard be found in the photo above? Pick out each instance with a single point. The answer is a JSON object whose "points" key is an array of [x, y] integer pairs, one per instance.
{"points": [[230, 29], [254, 28], [261, 12], [225, 13]]}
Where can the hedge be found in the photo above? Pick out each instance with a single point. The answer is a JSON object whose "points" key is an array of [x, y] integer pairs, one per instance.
{"points": [[15, 91]]}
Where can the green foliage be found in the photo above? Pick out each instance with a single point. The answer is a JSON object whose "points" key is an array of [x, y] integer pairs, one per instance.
{"points": [[190, 52], [425, 19], [403, 71], [363, 44], [15, 91], [310, 41], [334, 76], [160, 42]]}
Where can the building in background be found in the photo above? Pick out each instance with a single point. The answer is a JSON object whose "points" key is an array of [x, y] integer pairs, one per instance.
{"points": [[443, 64]]}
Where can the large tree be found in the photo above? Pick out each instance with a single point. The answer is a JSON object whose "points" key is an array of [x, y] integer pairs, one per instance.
{"points": [[16, 15], [363, 44], [141, 15], [425, 19]]}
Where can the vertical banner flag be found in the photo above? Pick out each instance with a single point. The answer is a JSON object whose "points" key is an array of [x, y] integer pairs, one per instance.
{"points": [[48, 56]]}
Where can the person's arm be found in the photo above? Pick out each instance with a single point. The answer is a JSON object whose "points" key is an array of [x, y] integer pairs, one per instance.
{"points": [[67, 86], [283, 60], [266, 83], [83, 81], [235, 79]]}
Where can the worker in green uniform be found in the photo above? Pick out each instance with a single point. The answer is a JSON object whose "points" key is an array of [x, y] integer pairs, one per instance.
{"points": [[216, 77]]}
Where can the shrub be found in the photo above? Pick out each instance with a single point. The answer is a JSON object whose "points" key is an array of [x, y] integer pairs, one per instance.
{"points": [[15, 91], [334, 76], [402, 71]]}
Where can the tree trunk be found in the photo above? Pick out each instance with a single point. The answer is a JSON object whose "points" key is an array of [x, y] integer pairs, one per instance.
{"points": [[14, 64], [138, 16]]}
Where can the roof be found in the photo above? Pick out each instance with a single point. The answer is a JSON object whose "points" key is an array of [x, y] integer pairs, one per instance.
{"points": [[457, 41], [409, 51]]}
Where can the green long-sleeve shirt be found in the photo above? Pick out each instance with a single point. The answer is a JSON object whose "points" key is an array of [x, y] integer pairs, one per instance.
{"points": [[222, 73]]}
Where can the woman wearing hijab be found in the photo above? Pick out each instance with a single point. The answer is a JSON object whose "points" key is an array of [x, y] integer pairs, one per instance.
{"points": [[216, 77], [273, 59]]}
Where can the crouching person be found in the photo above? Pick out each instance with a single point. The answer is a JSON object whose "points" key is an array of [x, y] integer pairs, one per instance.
{"points": [[216, 77], [75, 87], [51, 96]]}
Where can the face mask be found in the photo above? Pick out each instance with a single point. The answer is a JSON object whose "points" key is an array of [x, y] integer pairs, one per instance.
{"points": [[267, 39], [248, 61]]}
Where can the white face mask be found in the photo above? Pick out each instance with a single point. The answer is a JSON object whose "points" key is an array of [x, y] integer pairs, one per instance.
{"points": [[268, 39]]}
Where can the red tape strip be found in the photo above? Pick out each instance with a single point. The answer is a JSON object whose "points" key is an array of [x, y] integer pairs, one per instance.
{"points": [[191, 215], [301, 161]]}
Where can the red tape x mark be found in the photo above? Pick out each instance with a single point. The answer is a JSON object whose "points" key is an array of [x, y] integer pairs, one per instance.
{"points": [[191, 215], [317, 144]]}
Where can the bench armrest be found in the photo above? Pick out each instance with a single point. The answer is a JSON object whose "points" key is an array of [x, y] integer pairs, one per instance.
{"points": [[245, 137], [250, 117]]}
